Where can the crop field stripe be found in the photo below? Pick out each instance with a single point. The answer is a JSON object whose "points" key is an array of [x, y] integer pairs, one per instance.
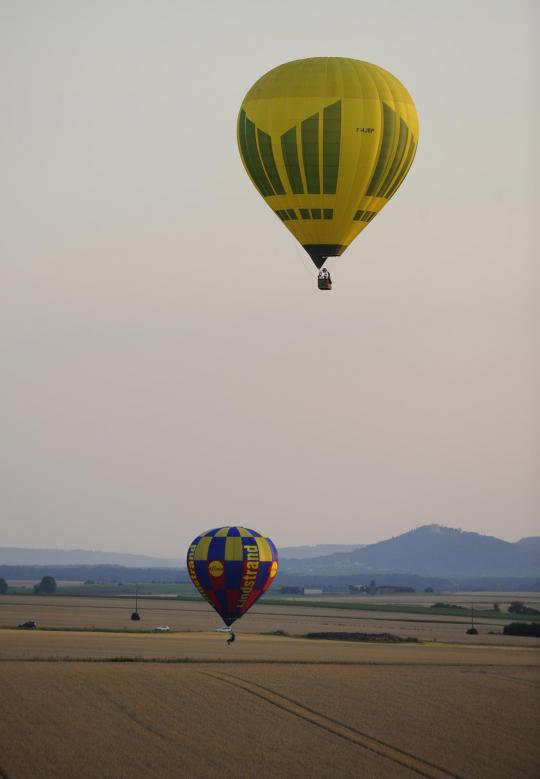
{"points": [[513, 679], [248, 661], [122, 607], [346, 732], [463, 616], [125, 711], [396, 608], [442, 771], [464, 621]]}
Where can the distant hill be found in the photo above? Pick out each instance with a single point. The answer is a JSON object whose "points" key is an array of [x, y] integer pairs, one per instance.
{"points": [[430, 550], [18, 556], [532, 543], [305, 552], [94, 573], [14, 556]]}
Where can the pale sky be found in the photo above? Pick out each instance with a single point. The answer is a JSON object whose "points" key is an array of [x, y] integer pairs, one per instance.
{"points": [[167, 362]]}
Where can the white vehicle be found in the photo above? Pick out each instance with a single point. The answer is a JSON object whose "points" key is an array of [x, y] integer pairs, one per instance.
{"points": [[162, 629]]}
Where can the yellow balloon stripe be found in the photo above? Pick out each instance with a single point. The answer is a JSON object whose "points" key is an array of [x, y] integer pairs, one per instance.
{"points": [[234, 549], [201, 551], [265, 553]]}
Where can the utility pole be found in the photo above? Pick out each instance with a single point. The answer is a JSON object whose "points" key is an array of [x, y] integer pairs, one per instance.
{"points": [[135, 616], [472, 631]]}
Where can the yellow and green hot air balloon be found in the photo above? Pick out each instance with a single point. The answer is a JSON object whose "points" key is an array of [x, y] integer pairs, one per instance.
{"points": [[327, 141]]}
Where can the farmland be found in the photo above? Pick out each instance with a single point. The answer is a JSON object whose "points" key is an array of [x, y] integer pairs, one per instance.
{"points": [[294, 616], [91, 694]]}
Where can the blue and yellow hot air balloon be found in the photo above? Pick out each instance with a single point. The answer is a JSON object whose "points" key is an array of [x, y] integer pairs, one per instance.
{"points": [[232, 567], [327, 141]]}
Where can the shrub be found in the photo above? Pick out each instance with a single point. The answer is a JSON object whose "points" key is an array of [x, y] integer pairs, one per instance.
{"points": [[47, 586], [387, 638], [517, 607], [522, 629]]}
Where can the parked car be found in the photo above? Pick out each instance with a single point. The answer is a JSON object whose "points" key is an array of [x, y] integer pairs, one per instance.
{"points": [[30, 623], [162, 629]]}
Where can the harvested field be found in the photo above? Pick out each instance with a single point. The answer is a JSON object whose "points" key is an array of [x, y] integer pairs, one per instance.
{"points": [[114, 614], [211, 647]]}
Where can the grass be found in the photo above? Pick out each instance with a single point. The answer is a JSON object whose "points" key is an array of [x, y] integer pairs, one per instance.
{"points": [[93, 629], [371, 638], [334, 636]]}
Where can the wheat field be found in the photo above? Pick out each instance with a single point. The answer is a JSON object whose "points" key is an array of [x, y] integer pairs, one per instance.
{"points": [[87, 719], [118, 704]]}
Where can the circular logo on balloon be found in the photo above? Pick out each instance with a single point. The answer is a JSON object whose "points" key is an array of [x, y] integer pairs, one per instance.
{"points": [[215, 568], [273, 569]]}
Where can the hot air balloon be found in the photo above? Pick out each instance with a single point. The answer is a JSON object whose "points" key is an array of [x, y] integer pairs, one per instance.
{"points": [[232, 567], [327, 141]]}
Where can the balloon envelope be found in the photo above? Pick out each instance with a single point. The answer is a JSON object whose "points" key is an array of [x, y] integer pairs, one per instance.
{"points": [[327, 141], [232, 567]]}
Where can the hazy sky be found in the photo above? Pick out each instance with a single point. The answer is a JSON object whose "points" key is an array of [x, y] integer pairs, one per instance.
{"points": [[167, 363]]}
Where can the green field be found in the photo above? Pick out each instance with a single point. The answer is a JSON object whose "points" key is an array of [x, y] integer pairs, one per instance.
{"points": [[402, 608], [113, 589]]}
